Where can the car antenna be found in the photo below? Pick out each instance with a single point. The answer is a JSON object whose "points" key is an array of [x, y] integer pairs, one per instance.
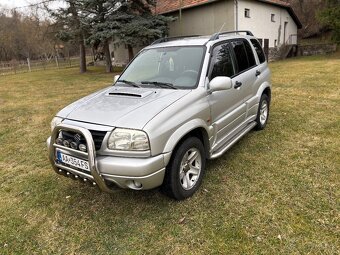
{"points": [[216, 35], [221, 28]]}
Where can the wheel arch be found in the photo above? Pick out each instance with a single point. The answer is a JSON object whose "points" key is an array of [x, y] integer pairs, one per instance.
{"points": [[265, 88], [195, 128]]}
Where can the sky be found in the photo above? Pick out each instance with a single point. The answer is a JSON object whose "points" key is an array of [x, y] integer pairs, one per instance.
{"points": [[22, 3]]}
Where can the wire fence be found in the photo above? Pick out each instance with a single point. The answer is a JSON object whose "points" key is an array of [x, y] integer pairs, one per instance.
{"points": [[16, 67]]}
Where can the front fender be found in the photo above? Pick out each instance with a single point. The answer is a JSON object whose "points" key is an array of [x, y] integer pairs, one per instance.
{"points": [[183, 131]]}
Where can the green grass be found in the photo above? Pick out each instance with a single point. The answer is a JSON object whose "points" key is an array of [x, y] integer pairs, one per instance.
{"points": [[275, 192]]}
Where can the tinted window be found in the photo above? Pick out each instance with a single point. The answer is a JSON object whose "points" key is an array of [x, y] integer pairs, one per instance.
{"points": [[250, 54], [258, 50], [222, 63], [241, 56]]}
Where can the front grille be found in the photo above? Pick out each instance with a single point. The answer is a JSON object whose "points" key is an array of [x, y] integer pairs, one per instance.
{"points": [[97, 137]]}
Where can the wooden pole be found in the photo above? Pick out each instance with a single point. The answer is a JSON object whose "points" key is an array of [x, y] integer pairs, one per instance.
{"points": [[29, 64], [57, 61]]}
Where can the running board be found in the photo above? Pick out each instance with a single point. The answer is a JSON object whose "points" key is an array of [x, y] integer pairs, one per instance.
{"points": [[233, 141]]}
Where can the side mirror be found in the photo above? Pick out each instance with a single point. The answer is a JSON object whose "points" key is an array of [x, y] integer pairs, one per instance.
{"points": [[220, 83], [116, 78]]}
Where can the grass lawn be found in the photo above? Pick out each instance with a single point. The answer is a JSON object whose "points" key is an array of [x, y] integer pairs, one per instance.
{"points": [[275, 192]]}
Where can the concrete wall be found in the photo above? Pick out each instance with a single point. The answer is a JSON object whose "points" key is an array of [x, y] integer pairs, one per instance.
{"points": [[260, 21], [204, 19]]}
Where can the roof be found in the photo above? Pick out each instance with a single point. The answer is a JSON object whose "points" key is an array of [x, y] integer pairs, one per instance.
{"points": [[168, 6]]}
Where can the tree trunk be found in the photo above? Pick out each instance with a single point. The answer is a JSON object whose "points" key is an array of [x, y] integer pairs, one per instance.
{"points": [[108, 61], [82, 57], [130, 49]]}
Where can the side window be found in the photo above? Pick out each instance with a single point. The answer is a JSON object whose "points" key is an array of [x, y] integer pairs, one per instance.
{"points": [[258, 50], [250, 54], [221, 64], [241, 56]]}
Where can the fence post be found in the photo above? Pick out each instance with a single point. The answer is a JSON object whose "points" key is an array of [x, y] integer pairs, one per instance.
{"points": [[57, 61], [29, 64]]}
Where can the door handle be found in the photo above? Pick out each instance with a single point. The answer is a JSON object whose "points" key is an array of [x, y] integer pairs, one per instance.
{"points": [[258, 72], [237, 85]]}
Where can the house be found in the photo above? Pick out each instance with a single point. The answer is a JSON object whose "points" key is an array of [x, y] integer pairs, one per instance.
{"points": [[273, 22]]}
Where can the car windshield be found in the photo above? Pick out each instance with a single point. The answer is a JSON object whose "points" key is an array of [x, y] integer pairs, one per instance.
{"points": [[170, 67]]}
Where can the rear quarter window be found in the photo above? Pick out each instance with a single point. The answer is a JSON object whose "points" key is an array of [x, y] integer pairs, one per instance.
{"points": [[259, 51]]}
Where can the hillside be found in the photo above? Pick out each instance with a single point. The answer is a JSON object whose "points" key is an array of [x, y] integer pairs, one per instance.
{"points": [[307, 11]]}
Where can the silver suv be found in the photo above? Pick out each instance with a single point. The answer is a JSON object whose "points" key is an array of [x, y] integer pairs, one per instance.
{"points": [[179, 102]]}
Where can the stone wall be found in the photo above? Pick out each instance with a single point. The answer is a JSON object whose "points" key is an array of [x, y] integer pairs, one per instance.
{"points": [[274, 54], [316, 49], [302, 50]]}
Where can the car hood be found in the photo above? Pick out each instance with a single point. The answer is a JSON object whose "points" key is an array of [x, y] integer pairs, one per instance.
{"points": [[122, 106]]}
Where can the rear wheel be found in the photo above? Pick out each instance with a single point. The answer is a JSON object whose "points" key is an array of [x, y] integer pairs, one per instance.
{"points": [[185, 171], [262, 113]]}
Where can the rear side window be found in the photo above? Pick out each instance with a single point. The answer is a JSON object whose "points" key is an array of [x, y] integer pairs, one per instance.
{"points": [[221, 64], [258, 50], [241, 56], [250, 54]]}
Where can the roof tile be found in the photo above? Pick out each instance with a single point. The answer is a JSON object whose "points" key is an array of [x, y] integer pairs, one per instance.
{"points": [[165, 6]]}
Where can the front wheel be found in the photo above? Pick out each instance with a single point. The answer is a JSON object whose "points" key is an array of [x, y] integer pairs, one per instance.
{"points": [[185, 171], [262, 113]]}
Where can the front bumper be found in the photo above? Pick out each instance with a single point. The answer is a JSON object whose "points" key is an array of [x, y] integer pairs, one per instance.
{"points": [[132, 173]]}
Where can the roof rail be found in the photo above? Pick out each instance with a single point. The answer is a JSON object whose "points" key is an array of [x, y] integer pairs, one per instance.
{"points": [[217, 35], [168, 39]]}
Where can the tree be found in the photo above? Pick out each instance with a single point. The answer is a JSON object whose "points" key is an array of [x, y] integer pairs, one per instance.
{"points": [[24, 36], [97, 13], [138, 25], [99, 21], [330, 17], [132, 22], [71, 27]]}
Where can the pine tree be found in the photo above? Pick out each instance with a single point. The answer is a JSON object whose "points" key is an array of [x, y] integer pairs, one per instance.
{"points": [[72, 28], [139, 26]]}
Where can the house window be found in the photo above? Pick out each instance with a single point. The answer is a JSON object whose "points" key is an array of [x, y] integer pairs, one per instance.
{"points": [[275, 43], [247, 13], [273, 17]]}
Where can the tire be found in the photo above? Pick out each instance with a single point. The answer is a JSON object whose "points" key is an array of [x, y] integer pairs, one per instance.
{"points": [[182, 179], [262, 113]]}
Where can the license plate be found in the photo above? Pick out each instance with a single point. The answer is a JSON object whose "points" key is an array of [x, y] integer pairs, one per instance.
{"points": [[72, 161]]}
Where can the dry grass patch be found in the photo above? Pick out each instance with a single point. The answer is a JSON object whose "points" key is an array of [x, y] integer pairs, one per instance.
{"points": [[274, 192]]}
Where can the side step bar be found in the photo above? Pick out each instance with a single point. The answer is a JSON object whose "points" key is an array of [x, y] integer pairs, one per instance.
{"points": [[231, 142]]}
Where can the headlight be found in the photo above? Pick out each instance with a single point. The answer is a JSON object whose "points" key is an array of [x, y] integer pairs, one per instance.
{"points": [[128, 140], [55, 121]]}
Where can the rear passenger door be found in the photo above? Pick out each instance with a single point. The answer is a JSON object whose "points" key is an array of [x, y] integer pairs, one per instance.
{"points": [[246, 70], [262, 75]]}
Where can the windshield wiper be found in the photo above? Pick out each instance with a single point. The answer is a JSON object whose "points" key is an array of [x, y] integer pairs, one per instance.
{"points": [[160, 84], [131, 83]]}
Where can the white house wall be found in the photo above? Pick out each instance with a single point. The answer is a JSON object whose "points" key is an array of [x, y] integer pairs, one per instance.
{"points": [[260, 21], [121, 53], [204, 19]]}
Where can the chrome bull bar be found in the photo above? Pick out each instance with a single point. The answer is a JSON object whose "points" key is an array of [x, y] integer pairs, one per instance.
{"points": [[91, 154]]}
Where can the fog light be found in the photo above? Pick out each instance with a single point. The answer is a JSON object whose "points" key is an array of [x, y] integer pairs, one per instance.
{"points": [[74, 145], [66, 143], [82, 147], [137, 184], [59, 141]]}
